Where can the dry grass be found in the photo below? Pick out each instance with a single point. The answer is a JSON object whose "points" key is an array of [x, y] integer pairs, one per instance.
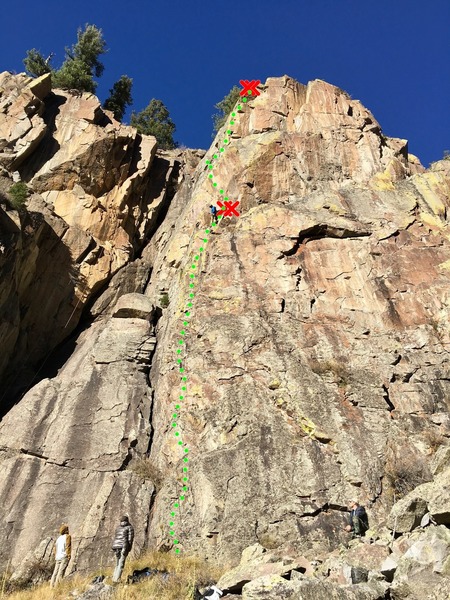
{"points": [[187, 573], [433, 439], [147, 470], [37, 573], [331, 367], [404, 471], [268, 541], [45, 592]]}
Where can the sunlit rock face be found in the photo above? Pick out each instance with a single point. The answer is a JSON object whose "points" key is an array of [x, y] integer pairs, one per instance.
{"points": [[316, 350], [99, 188]]}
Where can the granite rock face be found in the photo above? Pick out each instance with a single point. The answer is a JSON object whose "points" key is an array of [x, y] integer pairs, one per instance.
{"points": [[316, 347], [99, 189], [69, 459], [315, 351]]}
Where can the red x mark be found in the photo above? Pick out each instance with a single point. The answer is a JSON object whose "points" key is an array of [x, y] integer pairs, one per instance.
{"points": [[249, 86], [229, 209]]}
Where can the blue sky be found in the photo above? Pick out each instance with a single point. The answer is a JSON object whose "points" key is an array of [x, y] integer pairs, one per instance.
{"points": [[393, 55]]}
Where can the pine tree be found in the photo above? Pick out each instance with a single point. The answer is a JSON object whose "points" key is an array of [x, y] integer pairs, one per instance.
{"points": [[119, 97], [89, 47], [35, 63], [155, 120], [74, 75], [225, 106], [82, 62]]}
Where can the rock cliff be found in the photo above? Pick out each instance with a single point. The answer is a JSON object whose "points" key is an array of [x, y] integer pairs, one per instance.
{"points": [[98, 188], [315, 352]]}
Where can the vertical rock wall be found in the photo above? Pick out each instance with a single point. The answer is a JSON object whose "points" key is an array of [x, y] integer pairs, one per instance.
{"points": [[317, 347], [66, 447], [316, 352]]}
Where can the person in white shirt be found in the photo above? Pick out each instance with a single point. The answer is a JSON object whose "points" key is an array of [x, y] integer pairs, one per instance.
{"points": [[63, 547]]}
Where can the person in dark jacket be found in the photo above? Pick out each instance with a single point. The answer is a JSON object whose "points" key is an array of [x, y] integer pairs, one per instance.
{"points": [[122, 544], [358, 522]]}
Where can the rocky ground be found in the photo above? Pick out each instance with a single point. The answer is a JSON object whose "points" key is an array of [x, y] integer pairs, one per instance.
{"points": [[316, 351]]}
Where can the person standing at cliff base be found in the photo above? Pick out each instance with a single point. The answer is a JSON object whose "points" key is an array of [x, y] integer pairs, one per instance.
{"points": [[358, 520], [122, 544], [63, 548]]}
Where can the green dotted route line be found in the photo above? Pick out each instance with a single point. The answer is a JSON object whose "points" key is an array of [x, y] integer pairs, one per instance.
{"points": [[180, 345]]}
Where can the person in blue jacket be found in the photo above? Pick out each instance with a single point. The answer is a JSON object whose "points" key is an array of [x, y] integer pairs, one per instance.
{"points": [[213, 210]]}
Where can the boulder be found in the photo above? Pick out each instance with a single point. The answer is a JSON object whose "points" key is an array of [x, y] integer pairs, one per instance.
{"points": [[439, 591], [359, 574], [135, 306], [96, 591], [368, 556], [413, 581], [441, 460], [407, 513], [254, 553], [273, 587], [37, 565], [235, 579], [388, 567], [336, 569], [353, 565], [401, 545], [41, 86], [430, 547], [131, 279], [422, 569]]}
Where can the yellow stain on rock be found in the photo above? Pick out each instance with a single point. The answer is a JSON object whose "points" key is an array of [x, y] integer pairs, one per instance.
{"points": [[431, 186], [177, 250], [308, 426], [382, 181], [221, 294], [196, 390], [430, 219], [445, 265], [281, 219], [231, 304], [338, 210], [311, 430], [255, 219]]}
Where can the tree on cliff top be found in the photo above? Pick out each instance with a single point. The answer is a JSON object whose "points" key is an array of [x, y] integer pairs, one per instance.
{"points": [[225, 106], [155, 120], [82, 62], [36, 64], [119, 97]]}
